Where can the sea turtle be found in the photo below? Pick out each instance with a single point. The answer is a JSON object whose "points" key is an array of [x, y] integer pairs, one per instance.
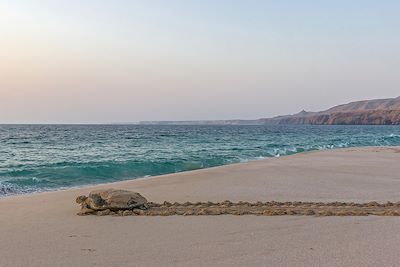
{"points": [[111, 199]]}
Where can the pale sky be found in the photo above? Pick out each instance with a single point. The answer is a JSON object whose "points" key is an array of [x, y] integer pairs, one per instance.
{"points": [[93, 61]]}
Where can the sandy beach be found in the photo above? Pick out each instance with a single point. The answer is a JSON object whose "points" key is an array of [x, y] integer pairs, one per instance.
{"points": [[44, 230]]}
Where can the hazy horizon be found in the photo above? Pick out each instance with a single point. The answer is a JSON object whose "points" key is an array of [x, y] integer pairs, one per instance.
{"points": [[108, 62]]}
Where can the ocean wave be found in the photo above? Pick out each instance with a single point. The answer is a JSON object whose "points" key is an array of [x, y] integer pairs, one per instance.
{"points": [[37, 158], [74, 174], [7, 189]]}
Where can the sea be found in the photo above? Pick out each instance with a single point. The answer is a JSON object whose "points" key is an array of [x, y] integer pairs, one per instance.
{"points": [[36, 158]]}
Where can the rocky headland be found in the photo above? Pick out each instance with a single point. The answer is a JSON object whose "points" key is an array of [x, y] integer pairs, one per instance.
{"points": [[366, 112]]}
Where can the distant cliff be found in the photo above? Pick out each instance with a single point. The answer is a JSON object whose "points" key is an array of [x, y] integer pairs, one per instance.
{"points": [[367, 112], [368, 117], [376, 104]]}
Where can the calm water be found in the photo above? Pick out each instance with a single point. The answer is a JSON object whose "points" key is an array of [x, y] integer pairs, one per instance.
{"points": [[48, 157]]}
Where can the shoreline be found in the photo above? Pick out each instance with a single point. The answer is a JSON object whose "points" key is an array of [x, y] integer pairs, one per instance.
{"points": [[42, 229], [155, 176], [86, 186]]}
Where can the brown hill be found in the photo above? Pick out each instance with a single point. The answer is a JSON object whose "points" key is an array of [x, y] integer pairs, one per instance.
{"points": [[376, 104], [372, 112], [364, 117]]}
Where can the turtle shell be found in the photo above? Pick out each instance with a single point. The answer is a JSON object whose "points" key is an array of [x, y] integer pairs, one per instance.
{"points": [[114, 199]]}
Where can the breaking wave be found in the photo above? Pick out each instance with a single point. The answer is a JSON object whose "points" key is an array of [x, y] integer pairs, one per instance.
{"points": [[39, 158]]}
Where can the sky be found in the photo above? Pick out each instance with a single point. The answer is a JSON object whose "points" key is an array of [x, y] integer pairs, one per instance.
{"points": [[98, 61]]}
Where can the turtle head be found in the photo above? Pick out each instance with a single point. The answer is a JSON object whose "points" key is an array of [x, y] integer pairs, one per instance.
{"points": [[80, 199]]}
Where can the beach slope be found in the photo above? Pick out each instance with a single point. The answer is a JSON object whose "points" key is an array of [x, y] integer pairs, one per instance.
{"points": [[44, 230]]}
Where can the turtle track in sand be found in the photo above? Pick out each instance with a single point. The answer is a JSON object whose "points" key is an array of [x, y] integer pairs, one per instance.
{"points": [[271, 208]]}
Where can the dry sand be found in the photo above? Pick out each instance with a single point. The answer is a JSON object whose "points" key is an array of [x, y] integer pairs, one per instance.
{"points": [[43, 230]]}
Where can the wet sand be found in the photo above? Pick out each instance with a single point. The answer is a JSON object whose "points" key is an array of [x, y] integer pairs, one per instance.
{"points": [[44, 230]]}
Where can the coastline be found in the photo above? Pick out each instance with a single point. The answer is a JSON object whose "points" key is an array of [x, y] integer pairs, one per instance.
{"points": [[89, 186], [42, 229], [148, 177], [89, 155], [122, 183]]}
